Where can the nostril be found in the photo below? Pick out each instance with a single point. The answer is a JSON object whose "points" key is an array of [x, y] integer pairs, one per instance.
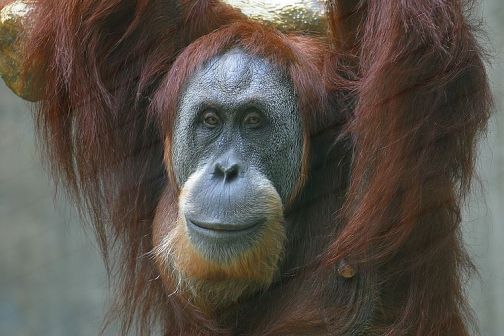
{"points": [[231, 173], [219, 171], [228, 174]]}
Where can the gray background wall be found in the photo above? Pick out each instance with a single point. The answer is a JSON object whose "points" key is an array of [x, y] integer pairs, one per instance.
{"points": [[484, 220], [52, 281]]}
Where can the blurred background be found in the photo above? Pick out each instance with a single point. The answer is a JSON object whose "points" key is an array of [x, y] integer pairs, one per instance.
{"points": [[52, 281]]}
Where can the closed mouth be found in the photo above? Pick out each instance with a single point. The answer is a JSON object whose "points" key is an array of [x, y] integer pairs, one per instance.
{"points": [[222, 227]]}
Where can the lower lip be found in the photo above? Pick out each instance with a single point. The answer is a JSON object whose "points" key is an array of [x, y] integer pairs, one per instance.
{"points": [[219, 232]]}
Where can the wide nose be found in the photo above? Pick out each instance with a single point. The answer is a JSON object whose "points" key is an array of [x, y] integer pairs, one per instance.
{"points": [[227, 168]]}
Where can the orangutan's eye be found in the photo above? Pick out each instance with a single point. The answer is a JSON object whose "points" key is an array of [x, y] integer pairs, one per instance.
{"points": [[253, 119], [211, 119]]}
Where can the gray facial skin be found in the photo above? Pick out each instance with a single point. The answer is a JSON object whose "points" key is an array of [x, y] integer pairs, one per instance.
{"points": [[237, 129]]}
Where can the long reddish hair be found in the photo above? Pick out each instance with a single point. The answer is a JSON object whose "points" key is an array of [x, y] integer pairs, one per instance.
{"points": [[399, 87]]}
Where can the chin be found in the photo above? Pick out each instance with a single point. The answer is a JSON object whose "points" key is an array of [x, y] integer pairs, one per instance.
{"points": [[215, 256]]}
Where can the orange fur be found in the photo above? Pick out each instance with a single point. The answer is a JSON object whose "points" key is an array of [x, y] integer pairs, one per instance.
{"points": [[405, 80]]}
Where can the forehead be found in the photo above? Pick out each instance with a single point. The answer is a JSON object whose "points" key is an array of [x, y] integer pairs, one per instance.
{"points": [[237, 73]]}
